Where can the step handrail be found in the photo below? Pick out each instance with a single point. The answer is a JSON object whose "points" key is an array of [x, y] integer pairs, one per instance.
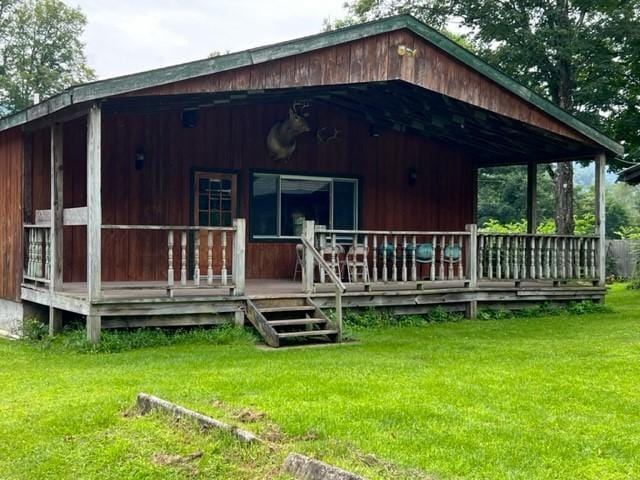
{"points": [[333, 276]]}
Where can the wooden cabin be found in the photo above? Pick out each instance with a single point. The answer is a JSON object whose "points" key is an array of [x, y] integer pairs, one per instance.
{"points": [[155, 198]]}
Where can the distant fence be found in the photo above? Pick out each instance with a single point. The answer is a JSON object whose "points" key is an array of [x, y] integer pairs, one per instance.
{"points": [[622, 257]]}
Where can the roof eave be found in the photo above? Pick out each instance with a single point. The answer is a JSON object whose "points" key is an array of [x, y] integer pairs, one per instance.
{"points": [[138, 81]]}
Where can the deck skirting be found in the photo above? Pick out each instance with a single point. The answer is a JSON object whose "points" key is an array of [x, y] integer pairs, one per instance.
{"points": [[135, 310]]}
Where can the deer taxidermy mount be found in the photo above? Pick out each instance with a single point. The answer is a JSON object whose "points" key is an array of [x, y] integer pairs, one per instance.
{"points": [[281, 141]]}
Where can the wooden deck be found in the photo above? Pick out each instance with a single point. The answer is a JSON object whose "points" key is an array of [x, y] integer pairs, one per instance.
{"points": [[149, 305]]}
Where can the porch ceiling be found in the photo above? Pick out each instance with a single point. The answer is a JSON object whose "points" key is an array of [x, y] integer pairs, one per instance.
{"points": [[491, 138]]}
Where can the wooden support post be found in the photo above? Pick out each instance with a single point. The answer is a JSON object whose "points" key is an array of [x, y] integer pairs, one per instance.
{"points": [[600, 166], [471, 255], [238, 261], [308, 232], [238, 318], [471, 309], [94, 217], [532, 189], [57, 223], [94, 326]]}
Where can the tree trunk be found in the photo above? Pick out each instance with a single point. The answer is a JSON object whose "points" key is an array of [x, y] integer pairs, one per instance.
{"points": [[563, 193], [561, 92]]}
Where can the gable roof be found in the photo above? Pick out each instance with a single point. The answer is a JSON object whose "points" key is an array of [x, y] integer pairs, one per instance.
{"points": [[630, 175], [161, 76]]}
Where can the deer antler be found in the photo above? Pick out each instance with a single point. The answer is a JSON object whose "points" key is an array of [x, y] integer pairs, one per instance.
{"points": [[301, 108]]}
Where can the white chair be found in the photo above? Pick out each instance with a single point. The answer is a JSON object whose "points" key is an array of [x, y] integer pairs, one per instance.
{"points": [[334, 256], [357, 264]]}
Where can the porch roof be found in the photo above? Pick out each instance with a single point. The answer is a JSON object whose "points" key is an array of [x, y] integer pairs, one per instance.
{"points": [[395, 105], [89, 92], [630, 175]]}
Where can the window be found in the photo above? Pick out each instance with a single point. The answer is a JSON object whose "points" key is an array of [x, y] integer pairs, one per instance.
{"points": [[215, 199], [281, 203]]}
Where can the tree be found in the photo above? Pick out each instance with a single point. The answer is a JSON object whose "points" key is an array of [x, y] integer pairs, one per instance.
{"points": [[502, 198], [581, 54], [41, 50]]}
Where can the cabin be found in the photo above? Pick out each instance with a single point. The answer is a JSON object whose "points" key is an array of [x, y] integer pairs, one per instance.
{"points": [[283, 184]]}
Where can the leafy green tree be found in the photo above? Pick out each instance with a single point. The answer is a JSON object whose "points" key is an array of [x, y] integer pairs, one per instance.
{"points": [[501, 196], [581, 54], [41, 50]]}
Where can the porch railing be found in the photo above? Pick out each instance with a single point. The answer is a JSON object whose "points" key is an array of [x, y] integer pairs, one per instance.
{"points": [[200, 257], [37, 253], [315, 256], [537, 257], [372, 257]]}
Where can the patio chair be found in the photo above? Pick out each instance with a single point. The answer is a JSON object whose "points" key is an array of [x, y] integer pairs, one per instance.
{"points": [[331, 253], [357, 264], [452, 255]]}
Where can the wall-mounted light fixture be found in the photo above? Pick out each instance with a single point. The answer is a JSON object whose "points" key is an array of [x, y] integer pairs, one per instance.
{"points": [[413, 177], [374, 130], [141, 156], [189, 118]]}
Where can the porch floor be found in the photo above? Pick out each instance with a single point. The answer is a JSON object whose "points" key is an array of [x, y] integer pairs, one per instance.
{"points": [[285, 288]]}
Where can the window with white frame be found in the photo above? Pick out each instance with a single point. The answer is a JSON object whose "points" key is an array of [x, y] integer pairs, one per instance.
{"points": [[281, 203]]}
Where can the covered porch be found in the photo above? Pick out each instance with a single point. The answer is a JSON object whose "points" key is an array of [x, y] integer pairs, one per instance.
{"points": [[381, 215]]}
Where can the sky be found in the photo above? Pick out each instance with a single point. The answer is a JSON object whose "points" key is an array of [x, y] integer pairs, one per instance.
{"points": [[127, 36]]}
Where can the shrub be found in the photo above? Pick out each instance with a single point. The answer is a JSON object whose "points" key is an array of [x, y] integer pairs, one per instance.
{"points": [[34, 330]]}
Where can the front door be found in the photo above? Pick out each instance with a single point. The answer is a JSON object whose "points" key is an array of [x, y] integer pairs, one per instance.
{"points": [[215, 201], [215, 205]]}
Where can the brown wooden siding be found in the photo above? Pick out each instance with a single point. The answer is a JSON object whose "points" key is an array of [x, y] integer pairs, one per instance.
{"points": [[233, 138], [375, 59], [74, 173], [11, 165]]}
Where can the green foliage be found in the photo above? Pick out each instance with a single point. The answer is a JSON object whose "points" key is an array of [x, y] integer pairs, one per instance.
{"points": [[42, 51], [629, 232], [112, 341], [372, 318], [544, 310], [501, 194], [33, 330], [584, 225]]}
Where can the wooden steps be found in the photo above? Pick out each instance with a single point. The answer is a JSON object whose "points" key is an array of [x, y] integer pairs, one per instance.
{"points": [[299, 320]]}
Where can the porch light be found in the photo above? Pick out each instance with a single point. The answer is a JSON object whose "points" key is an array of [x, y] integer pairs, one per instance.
{"points": [[374, 130], [140, 158]]}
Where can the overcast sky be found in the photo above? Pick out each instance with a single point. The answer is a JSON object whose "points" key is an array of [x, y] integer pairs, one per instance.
{"points": [[127, 36]]}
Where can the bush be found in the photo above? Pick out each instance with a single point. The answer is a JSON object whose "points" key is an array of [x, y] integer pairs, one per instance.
{"points": [[543, 310], [372, 318], [34, 330]]}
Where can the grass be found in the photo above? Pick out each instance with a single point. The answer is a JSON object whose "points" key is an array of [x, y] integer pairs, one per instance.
{"points": [[503, 398]]}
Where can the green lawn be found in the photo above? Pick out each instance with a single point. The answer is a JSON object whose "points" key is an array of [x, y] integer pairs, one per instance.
{"points": [[525, 398]]}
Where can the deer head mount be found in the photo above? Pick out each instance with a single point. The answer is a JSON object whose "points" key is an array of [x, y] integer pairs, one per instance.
{"points": [[281, 141]]}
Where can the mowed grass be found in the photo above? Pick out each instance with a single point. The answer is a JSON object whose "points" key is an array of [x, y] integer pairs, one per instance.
{"points": [[522, 398]]}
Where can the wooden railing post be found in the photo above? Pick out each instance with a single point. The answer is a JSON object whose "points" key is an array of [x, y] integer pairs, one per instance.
{"points": [[239, 252], [472, 255], [308, 233]]}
